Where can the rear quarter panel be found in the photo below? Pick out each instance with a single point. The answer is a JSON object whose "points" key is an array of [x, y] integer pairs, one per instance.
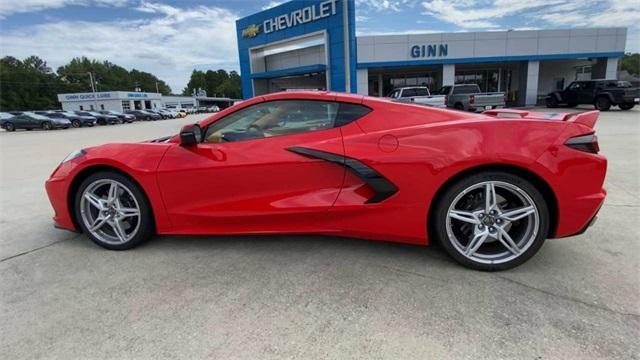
{"points": [[433, 146]]}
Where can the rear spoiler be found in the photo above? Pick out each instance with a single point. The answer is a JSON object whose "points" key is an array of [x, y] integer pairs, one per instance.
{"points": [[588, 118]]}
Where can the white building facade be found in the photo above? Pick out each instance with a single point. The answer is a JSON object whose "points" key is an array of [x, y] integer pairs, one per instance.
{"points": [[321, 51], [110, 100]]}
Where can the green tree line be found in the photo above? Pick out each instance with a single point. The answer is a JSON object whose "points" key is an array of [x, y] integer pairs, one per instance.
{"points": [[215, 83], [631, 63], [31, 84]]}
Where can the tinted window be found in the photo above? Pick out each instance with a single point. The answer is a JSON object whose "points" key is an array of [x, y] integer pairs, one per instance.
{"points": [[588, 85], [350, 112], [408, 92], [466, 89], [422, 92], [274, 118], [444, 90]]}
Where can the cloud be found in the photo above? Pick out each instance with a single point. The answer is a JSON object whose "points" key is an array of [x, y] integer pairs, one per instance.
{"points": [[272, 4], [169, 44], [9, 7], [385, 5], [476, 14]]}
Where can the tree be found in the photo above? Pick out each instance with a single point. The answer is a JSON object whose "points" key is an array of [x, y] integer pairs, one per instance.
{"points": [[216, 83], [31, 84], [631, 63], [28, 84]]}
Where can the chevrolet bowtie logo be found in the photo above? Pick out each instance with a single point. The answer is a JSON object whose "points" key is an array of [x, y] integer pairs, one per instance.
{"points": [[251, 31]]}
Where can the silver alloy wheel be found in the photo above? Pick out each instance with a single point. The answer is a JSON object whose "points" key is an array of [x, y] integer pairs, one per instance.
{"points": [[492, 222], [110, 211]]}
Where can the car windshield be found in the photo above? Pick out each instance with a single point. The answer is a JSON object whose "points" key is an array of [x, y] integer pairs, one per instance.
{"points": [[36, 116]]}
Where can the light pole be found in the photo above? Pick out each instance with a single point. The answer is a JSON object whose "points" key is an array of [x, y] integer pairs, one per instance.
{"points": [[93, 89]]}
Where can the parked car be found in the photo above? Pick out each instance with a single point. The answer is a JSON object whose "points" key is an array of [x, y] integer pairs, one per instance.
{"points": [[417, 95], [214, 108], [469, 97], [76, 120], [270, 157], [144, 115], [601, 93], [157, 112], [182, 112], [30, 120], [166, 113], [103, 119], [5, 116], [124, 117]]}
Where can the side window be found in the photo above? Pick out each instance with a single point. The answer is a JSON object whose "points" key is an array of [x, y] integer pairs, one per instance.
{"points": [[574, 86], [588, 85], [408, 92], [422, 92], [274, 118]]}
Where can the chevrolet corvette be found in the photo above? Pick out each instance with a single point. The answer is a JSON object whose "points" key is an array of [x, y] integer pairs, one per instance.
{"points": [[490, 187]]}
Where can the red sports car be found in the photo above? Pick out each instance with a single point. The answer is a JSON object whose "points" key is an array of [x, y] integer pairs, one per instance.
{"points": [[489, 187]]}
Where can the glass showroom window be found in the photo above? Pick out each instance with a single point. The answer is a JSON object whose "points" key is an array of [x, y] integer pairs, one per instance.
{"points": [[126, 106]]}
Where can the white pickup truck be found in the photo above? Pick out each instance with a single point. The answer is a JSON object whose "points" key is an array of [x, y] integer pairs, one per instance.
{"points": [[417, 95]]}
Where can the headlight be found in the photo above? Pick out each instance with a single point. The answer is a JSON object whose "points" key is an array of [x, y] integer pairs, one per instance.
{"points": [[74, 155]]}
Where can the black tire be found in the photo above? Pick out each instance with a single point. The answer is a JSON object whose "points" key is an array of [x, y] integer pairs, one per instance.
{"points": [[572, 105], [458, 106], [438, 218], [603, 103], [147, 118], [76, 123], [9, 126], [627, 106], [146, 227], [46, 125], [552, 102]]}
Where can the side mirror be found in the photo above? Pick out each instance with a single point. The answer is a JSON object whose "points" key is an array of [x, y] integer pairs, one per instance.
{"points": [[190, 135]]}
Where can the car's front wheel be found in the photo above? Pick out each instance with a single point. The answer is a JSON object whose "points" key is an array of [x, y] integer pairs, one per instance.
{"points": [[9, 126], [491, 221], [76, 123], [603, 103], [113, 211]]}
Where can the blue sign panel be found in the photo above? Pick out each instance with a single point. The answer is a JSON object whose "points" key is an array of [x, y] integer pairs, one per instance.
{"points": [[298, 18]]}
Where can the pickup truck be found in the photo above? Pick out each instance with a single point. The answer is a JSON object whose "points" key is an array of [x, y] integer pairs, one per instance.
{"points": [[417, 95], [601, 93], [468, 97]]}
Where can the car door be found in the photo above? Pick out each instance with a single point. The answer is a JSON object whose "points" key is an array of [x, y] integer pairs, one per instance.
{"points": [[247, 176], [570, 94], [586, 93]]}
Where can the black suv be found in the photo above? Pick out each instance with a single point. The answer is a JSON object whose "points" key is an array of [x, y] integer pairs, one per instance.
{"points": [[601, 93]]}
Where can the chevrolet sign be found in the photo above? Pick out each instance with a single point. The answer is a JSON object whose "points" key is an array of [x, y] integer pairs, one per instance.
{"points": [[251, 31], [298, 17]]}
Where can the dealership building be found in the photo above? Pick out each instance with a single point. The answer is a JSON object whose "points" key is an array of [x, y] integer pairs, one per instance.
{"points": [[131, 100], [313, 45]]}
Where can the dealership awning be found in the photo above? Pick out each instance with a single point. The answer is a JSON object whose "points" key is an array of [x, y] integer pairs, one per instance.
{"points": [[300, 70]]}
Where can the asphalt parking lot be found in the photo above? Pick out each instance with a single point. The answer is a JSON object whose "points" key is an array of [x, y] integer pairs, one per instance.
{"points": [[63, 297]]}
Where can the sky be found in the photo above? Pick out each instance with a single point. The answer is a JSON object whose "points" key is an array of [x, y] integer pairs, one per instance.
{"points": [[170, 38]]}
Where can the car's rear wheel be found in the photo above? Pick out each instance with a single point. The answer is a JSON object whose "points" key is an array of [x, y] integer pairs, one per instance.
{"points": [[9, 126], [626, 106], [491, 221], [458, 106], [113, 211], [552, 102], [603, 103], [46, 125], [76, 123]]}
